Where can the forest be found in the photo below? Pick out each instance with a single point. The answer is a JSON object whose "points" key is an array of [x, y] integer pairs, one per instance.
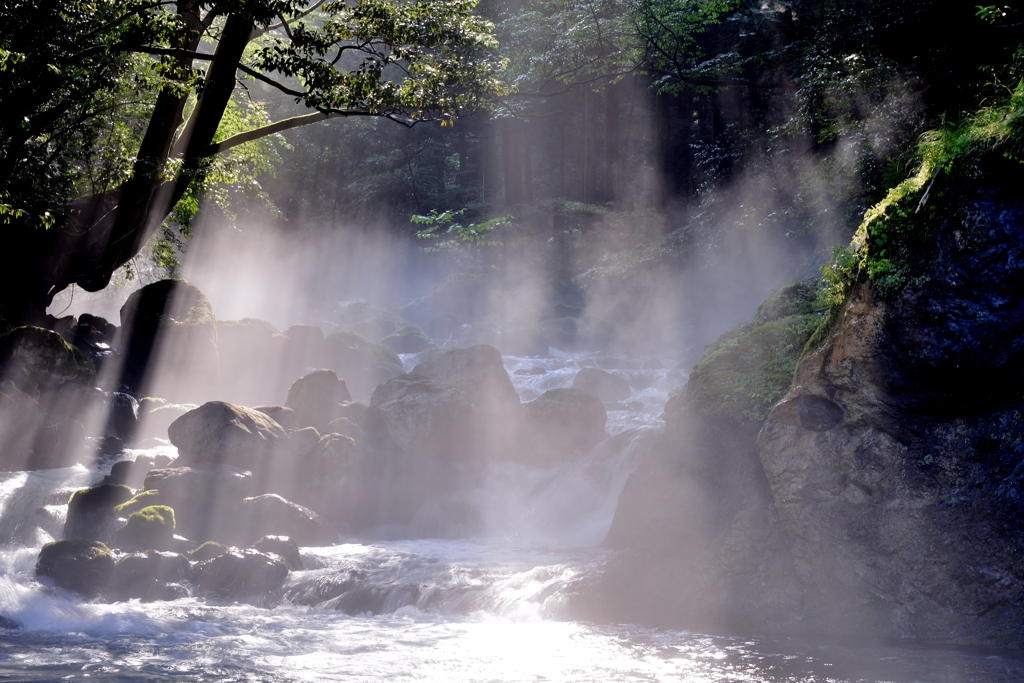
{"points": [[652, 338]]}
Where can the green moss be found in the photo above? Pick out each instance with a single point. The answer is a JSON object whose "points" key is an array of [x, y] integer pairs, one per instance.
{"points": [[103, 495], [749, 368], [150, 527], [140, 500], [207, 551], [895, 232]]}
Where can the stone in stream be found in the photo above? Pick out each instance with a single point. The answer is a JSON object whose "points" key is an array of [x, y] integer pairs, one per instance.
{"points": [[79, 565], [205, 498], [151, 527], [270, 514], [282, 546], [559, 425], [316, 399], [91, 511], [603, 384], [239, 574], [150, 575], [219, 433]]}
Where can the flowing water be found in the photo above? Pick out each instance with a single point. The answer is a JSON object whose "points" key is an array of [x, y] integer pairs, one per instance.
{"points": [[488, 604]]}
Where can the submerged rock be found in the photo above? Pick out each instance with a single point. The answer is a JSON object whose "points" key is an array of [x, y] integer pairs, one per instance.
{"points": [[603, 384], [85, 567]]}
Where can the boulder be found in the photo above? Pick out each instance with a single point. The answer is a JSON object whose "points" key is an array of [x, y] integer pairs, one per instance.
{"points": [[156, 415], [316, 399], [339, 482], [146, 575], [223, 433], [270, 514], [207, 551], [478, 373], [205, 498], [240, 574], [122, 416], [560, 424], [38, 360], [168, 341], [606, 386], [94, 330], [150, 527], [79, 565], [363, 364], [408, 339], [283, 547], [132, 473], [280, 414], [426, 418], [58, 444], [91, 512]]}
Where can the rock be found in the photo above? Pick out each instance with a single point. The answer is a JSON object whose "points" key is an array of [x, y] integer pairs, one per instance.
{"points": [[340, 484], [369, 321], [58, 444], [283, 547], [137, 502], [346, 427], [122, 416], [207, 551], [408, 339], [479, 374], [223, 433], [131, 473], [316, 399], [302, 441], [94, 330], [85, 567], [151, 527], [606, 386], [91, 511], [270, 514], [361, 363], [168, 341], [38, 360], [156, 415], [561, 423], [205, 498], [280, 414], [145, 575], [443, 326], [240, 574]]}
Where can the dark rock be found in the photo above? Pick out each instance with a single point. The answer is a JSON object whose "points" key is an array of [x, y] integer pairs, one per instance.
{"points": [[223, 433], [91, 511], [205, 498], [280, 414], [283, 547], [339, 483], [808, 411], [151, 527], [144, 575], [208, 551], [168, 341], [408, 339], [85, 567], [302, 441], [58, 444], [36, 359], [478, 373], [94, 329], [606, 386], [240, 574], [8, 623], [560, 424], [316, 399], [122, 416], [346, 427], [270, 514], [361, 363]]}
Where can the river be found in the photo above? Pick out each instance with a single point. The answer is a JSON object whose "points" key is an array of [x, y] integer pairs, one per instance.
{"points": [[483, 605]]}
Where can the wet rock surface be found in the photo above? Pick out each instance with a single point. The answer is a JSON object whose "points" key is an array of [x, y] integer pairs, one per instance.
{"points": [[82, 566], [219, 433]]}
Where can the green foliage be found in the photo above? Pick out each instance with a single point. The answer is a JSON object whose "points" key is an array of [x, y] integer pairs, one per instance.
{"points": [[453, 235]]}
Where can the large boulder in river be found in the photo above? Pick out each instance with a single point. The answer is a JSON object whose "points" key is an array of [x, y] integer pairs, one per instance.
{"points": [[78, 565], [603, 384], [152, 527], [168, 341], [478, 373], [151, 575], [560, 425], [270, 514], [316, 399], [240, 574], [223, 433], [37, 360], [282, 546], [363, 364]]}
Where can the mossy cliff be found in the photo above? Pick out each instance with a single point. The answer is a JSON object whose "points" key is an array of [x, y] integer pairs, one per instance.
{"points": [[883, 494]]}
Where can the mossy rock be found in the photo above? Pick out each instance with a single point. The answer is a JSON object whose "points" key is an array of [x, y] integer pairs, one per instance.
{"points": [[37, 359], [91, 511], [150, 527], [79, 565], [408, 339], [208, 551], [140, 500], [795, 298]]}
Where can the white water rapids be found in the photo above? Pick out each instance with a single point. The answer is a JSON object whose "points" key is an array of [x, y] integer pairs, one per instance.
{"points": [[487, 607]]}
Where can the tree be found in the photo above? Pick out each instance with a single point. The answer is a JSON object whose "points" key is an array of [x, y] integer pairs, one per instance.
{"points": [[409, 61]]}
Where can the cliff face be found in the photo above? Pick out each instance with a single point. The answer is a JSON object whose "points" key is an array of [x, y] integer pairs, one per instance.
{"points": [[896, 463], [884, 494]]}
